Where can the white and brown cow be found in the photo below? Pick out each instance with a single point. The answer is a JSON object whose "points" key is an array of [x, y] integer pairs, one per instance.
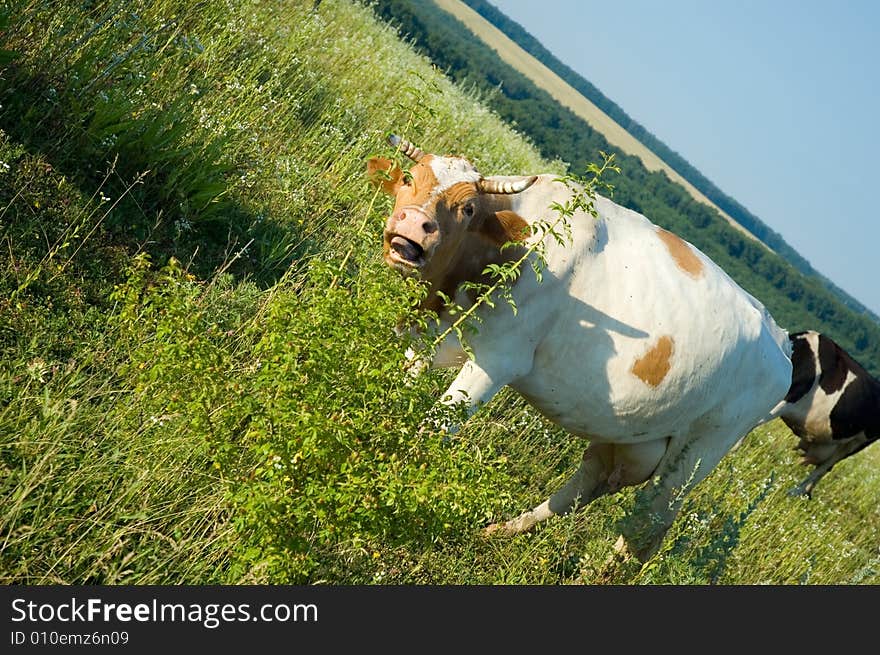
{"points": [[833, 405], [632, 338]]}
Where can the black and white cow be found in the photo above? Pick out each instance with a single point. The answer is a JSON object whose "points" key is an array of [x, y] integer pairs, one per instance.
{"points": [[833, 405]]}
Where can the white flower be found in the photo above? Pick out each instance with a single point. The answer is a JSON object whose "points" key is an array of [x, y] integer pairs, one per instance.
{"points": [[37, 370]]}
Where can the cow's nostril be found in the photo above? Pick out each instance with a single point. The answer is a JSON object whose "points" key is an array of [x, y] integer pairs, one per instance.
{"points": [[429, 227]]}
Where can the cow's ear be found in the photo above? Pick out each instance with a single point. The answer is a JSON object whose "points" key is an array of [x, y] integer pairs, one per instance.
{"points": [[385, 173], [503, 226]]}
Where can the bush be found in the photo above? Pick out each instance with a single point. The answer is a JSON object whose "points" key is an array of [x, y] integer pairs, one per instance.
{"points": [[310, 420]]}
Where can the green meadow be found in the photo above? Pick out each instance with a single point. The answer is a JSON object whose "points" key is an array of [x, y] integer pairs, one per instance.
{"points": [[199, 378]]}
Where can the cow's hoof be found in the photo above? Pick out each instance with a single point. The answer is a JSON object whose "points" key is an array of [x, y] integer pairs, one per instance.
{"points": [[504, 529], [800, 492], [495, 528], [615, 564], [621, 549]]}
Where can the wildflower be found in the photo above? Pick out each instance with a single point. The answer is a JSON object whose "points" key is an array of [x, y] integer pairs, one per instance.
{"points": [[37, 370]]}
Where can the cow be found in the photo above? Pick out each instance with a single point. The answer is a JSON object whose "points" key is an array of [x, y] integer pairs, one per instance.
{"points": [[624, 334], [833, 405]]}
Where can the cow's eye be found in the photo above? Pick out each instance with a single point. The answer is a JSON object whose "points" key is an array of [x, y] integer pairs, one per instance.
{"points": [[407, 178], [468, 209]]}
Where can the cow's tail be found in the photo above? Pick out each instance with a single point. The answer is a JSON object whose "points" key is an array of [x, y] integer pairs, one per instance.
{"points": [[776, 412], [784, 340]]}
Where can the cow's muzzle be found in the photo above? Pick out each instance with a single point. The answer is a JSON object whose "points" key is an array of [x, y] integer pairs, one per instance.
{"points": [[406, 251], [410, 236]]}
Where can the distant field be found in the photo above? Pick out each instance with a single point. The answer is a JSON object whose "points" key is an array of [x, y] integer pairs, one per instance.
{"points": [[561, 91]]}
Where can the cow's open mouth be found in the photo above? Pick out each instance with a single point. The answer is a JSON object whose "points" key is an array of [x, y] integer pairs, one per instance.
{"points": [[406, 251]]}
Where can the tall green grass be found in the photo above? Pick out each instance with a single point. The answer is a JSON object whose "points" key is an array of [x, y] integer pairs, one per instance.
{"points": [[200, 382]]}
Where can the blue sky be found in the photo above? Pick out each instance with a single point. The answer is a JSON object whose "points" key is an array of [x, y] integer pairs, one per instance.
{"points": [[776, 102]]}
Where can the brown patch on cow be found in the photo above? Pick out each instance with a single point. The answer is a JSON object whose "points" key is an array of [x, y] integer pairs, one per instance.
{"points": [[504, 226], [682, 253], [459, 193], [410, 188], [653, 366], [416, 187]]}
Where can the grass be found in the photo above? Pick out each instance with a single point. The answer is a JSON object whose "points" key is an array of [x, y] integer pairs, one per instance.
{"points": [[199, 379]]}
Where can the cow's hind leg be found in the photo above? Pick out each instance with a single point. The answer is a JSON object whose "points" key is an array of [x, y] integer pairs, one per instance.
{"points": [[842, 451], [687, 462], [605, 468]]}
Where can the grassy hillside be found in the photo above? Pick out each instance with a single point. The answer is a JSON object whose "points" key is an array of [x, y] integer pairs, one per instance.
{"points": [[199, 380], [679, 164]]}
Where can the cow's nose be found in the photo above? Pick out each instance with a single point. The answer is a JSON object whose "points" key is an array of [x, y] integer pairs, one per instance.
{"points": [[416, 219]]}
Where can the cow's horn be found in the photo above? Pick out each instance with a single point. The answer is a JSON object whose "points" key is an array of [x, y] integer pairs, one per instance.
{"points": [[488, 185], [413, 152]]}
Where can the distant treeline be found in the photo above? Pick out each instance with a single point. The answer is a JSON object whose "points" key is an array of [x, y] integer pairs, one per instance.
{"points": [[678, 163], [796, 300]]}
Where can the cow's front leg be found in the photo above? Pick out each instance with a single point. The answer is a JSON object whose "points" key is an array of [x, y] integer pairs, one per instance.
{"points": [[588, 482], [840, 451], [473, 386]]}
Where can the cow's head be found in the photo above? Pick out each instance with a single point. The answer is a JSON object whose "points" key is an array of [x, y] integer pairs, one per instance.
{"points": [[443, 210]]}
